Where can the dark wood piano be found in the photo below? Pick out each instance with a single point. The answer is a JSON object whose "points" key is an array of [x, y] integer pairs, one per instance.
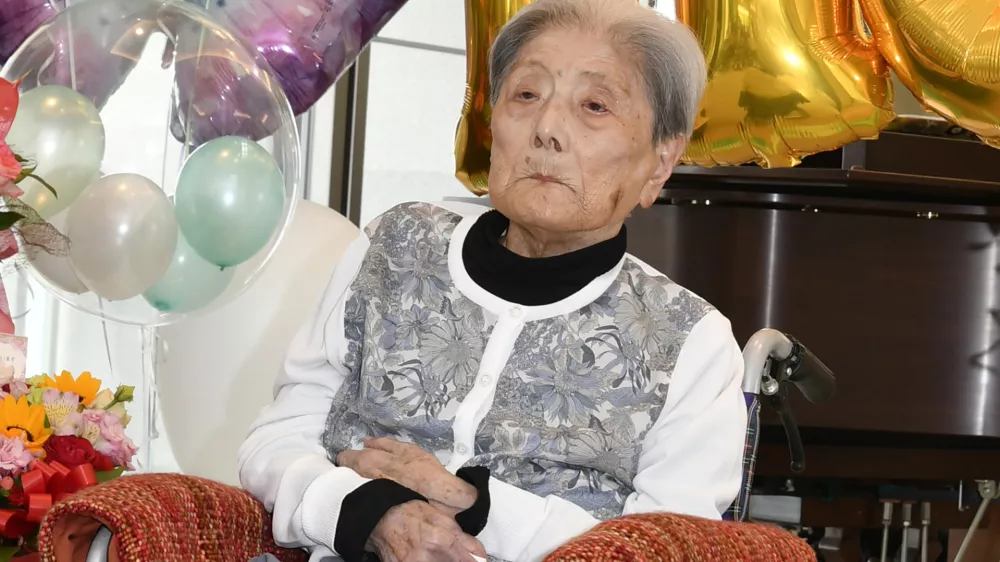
{"points": [[883, 258]]}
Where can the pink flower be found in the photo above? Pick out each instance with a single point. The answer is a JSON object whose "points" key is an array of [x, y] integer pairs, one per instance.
{"points": [[112, 442], [10, 189], [13, 387], [61, 411], [14, 457], [10, 168], [7, 483], [18, 389]]}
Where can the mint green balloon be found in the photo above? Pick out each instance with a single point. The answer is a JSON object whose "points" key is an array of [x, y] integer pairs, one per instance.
{"points": [[230, 199], [190, 282]]}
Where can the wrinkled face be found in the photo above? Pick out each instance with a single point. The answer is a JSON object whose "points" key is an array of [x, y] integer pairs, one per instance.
{"points": [[572, 137]]}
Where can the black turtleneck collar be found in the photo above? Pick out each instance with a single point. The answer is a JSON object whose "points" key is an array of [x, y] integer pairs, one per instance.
{"points": [[533, 281]]}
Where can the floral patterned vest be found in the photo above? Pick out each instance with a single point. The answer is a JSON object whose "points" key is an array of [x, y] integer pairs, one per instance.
{"points": [[574, 401]]}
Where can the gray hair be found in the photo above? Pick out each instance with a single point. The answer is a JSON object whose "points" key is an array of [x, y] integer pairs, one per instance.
{"points": [[667, 54]]}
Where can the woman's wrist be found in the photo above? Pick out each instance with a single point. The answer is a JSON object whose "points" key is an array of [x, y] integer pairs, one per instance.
{"points": [[455, 498]]}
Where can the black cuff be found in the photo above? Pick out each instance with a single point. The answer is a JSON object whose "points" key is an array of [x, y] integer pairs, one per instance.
{"points": [[473, 520], [361, 511]]}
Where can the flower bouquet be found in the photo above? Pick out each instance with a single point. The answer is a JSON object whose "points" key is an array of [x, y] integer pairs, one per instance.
{"points": [[58, 435]]}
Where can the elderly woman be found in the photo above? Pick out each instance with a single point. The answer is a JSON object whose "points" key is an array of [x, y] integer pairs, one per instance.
{"points": [[497, 382]]}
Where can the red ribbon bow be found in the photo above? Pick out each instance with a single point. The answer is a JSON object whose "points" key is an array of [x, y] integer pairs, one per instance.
{"points": [[44, 484]]}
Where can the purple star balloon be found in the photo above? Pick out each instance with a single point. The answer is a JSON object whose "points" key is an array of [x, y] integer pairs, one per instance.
{"points": [[307, 43], [19, 19]]}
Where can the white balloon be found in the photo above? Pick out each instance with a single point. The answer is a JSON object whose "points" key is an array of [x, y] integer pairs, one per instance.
{"points": [[217, 371], [62, 132], [122, 234], [57, 270]]}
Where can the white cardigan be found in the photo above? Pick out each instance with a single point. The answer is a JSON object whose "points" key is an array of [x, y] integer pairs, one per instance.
{"points": [[689, 459]]}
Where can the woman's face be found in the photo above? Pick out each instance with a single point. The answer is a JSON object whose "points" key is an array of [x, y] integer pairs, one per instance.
{"points": [[572, 137]]}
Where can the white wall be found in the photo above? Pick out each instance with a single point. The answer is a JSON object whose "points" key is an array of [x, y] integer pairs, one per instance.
{"points": [[415, 92]]}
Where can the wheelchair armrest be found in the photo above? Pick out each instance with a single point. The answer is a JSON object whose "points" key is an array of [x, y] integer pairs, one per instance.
{"points": [[165, 517], [682, 538]]}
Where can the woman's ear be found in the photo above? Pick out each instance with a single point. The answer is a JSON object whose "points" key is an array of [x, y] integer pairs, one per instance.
{"points": [[669, 153]]}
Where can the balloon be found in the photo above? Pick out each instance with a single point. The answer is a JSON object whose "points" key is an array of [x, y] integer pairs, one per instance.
{"points": [[230, 200], [66, 52], [308, 43], [61, 131], [242, 345], [189, 283], [158, 41], [19, 19], [123, 234], [56, 268], [473, 140], [945, 53], [787, 78]]}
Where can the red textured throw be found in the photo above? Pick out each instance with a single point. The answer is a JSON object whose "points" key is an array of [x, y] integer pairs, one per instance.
{"points": [[164, 518], [663, 537]]}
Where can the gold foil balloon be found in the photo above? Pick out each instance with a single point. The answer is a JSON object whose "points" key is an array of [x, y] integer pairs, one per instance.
{"points": [[787, 78], [483, 20], [947, 53]]}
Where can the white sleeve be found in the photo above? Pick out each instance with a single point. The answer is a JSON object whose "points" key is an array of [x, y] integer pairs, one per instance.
{"points": [[283, 462], [692, 458], [691, 461]]}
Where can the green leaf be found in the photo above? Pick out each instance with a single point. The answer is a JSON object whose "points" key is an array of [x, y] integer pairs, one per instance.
{"points": [[109, 475], [43, 182], [7, 553], [8, 219]]}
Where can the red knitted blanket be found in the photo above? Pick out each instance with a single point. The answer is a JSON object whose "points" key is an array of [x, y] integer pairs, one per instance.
{"points": [[163, 518], [174, 518], [659, 537]]}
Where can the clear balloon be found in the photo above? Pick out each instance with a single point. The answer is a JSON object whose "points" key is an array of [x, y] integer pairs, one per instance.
{"points": [[189, 283], [308, 43], [123, 234], [62, 132], [155, 41], [70, 55], [56, 268], [229, 200]]}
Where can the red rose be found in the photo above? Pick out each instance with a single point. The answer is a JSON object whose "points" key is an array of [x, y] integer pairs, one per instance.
{"points": [[73, 451]]}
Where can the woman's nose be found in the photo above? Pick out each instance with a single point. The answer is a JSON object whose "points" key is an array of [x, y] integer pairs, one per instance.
{"points": [[551, 130]]}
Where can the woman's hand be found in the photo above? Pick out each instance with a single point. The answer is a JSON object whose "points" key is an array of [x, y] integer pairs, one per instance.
{"points": [[418, 532], [413, 468]]}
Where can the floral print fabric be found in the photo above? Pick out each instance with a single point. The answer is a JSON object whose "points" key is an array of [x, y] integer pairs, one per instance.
{"points": [[574, 401]]}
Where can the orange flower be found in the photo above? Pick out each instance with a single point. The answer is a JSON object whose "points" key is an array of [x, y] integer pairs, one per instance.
{"points": [[20, 420], [84, 386]]}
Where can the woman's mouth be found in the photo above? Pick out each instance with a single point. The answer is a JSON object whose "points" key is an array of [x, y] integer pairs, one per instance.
{"points": [[542, 178]]}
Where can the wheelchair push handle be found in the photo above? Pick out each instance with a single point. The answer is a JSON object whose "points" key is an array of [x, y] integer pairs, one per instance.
{"points": [[813, 379], [775, 361]]}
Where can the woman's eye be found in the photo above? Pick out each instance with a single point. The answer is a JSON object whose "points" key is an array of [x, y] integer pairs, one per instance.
{"points": [[525, 95], [595, 107]]}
